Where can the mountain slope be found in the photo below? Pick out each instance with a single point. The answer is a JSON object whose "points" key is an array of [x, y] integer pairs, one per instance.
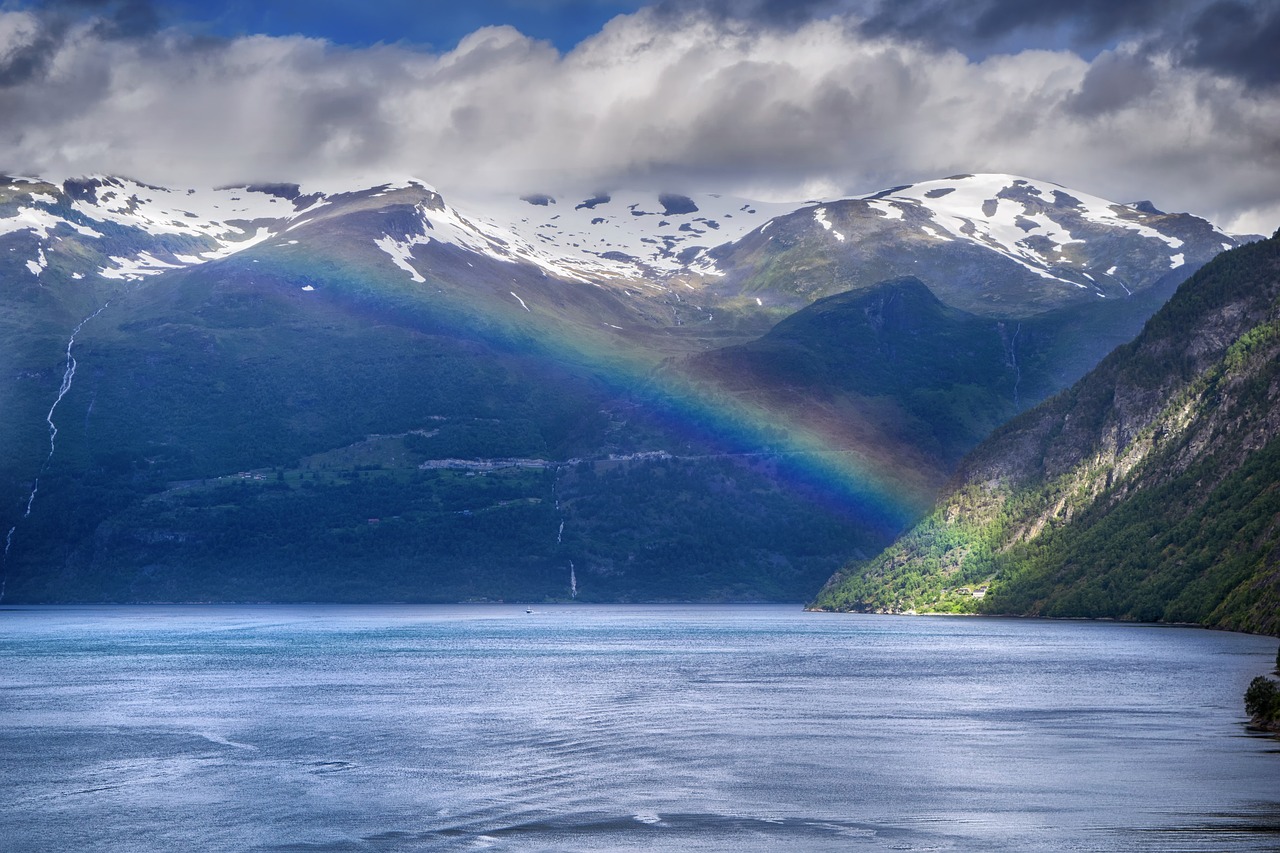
{"points": [[281, 392], [1149, 490], [233, 437], [890, 362]]}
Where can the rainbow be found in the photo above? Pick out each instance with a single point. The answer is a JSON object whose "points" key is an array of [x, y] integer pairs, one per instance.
{"points": [[843, 464]]}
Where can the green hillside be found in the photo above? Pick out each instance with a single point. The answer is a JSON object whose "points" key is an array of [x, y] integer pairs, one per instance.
{"points": [[1150, 490]]}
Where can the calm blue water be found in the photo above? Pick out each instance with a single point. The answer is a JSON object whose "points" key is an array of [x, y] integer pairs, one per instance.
{"points": [[623, 728]]}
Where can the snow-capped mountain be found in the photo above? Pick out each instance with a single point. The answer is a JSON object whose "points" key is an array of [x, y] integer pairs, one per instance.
{"points": [[1035, 224], [605, 237], [133, 230], [1048, 238], [993, 244]]}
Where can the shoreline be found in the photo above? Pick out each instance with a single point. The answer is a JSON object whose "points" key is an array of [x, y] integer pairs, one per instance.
{"points": [[1110, 619]]}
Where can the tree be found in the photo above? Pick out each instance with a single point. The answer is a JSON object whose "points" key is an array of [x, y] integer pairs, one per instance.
{"points": [[1262, 700]]}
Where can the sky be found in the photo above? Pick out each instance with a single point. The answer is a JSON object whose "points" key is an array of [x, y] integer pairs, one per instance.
{"points": [[1175, 101]]}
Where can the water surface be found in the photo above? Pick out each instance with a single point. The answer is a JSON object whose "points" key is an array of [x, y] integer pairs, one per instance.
{"points": [[584, 728]]}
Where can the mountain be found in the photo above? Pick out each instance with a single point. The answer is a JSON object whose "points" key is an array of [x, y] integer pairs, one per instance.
{"points": [[276, 392], [896, 365], [1149, 490], [994, 245]]}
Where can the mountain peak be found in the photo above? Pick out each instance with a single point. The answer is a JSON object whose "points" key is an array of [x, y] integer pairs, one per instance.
{"points": [[1146, 207]]}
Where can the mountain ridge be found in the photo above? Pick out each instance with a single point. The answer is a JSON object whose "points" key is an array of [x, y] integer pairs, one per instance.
{"points": [[659, 235]]}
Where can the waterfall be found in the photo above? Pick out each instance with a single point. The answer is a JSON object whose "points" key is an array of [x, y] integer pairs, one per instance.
{"points": [[555, 492], [4, 561], [68, 376]]}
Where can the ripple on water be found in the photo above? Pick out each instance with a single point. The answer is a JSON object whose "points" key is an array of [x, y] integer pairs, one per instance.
{"points": [[613, 728]]}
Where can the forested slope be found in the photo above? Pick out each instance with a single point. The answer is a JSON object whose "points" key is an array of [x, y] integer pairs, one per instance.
{"points": [[1149, 490]]}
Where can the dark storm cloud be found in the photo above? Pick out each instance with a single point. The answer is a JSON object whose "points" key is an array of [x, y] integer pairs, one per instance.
{"points": [[111, 18], [785, 13], [1235, 38], [28, 60], [1114, 81], [55, 19], [946, 22], [128, 19]]}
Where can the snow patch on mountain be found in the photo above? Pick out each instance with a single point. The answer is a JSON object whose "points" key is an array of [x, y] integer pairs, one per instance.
{"points": [[887, 209], [401, 254], [820, 216], [136, 268], [39, 264], [41, 222]]}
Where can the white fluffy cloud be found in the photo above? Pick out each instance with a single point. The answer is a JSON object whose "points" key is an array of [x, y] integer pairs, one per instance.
{"points": [[686, 102]]}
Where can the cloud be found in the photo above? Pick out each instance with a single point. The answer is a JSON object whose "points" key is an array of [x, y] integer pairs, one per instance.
{"points": [[681, 102], [1115, 80], [29, 40], [1237, 38], [25, 47], [955, 24], [1234, 38]]}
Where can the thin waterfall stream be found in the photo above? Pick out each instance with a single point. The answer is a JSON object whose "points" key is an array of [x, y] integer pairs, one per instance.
{"points": [[68, 376]]}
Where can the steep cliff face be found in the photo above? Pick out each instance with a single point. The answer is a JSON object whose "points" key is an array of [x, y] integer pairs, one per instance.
{"points": [[1149, 490]]}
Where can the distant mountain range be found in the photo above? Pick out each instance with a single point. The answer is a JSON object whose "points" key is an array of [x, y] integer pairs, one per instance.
{"points": [[1149, 490], [274, 392], [1005, 245]]}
